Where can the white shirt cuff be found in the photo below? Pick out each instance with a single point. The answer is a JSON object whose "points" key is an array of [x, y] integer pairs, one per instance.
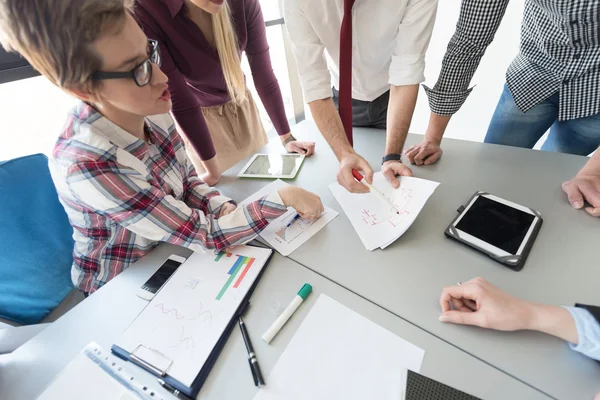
{"points": [[588, 332], [407, 70], [316, 85]]}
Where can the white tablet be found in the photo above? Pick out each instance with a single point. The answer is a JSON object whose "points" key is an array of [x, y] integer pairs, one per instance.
{"points": [[499, 228], [282, 166]]}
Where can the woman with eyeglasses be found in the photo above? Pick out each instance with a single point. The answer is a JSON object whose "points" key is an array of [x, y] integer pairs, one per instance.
{"points": [[202, 41], [119, 166]]}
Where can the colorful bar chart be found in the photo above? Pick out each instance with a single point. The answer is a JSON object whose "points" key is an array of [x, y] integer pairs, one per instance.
{"points": [[242, 264]]}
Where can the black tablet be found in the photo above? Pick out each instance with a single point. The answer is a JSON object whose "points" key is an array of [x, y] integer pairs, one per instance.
{"points": [[501, 229]]}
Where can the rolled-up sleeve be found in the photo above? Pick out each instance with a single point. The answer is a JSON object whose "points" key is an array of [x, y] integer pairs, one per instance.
{"points": [[475, 30], [588, 332], [414, 33], [309, 52]]}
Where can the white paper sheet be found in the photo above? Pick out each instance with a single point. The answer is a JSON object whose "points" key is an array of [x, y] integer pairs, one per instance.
{"points": [[338, 354], [375, 222], [100, 376], [187, 317], [286, 239]]}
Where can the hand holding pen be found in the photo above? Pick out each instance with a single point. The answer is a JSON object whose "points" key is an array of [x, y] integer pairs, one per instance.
{"points": [[357, 175]]}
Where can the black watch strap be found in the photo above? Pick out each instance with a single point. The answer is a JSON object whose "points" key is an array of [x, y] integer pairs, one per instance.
{"points": [[391, 157]]}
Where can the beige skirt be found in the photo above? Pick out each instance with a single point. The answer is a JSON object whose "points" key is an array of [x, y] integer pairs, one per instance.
{"points": [[237, 132]]}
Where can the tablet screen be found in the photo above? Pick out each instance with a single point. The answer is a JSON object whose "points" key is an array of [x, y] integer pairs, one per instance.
{"points": [[273, 164], [497, 224]]}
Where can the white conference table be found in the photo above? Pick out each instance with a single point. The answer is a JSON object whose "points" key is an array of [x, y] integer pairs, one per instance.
{"points": [[407, 278], [106, 314]]}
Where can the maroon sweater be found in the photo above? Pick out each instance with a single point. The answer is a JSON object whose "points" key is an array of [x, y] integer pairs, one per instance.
{"points": [[194, 69]]}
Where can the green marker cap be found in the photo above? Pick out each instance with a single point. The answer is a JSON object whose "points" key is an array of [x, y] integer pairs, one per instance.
{"points": [[305, 291]]}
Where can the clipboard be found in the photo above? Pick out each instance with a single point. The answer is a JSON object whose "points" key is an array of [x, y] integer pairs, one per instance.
{"points": [[156, 363]]}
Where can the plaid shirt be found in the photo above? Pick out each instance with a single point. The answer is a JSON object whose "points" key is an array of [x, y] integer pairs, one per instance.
{"points": [[560, 52], [124, 196]]}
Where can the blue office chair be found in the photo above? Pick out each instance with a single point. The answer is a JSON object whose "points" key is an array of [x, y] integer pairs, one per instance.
{"points": [[36, 247]]}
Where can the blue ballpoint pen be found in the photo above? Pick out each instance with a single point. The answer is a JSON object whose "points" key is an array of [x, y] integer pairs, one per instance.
{"points": [[292, 221]]}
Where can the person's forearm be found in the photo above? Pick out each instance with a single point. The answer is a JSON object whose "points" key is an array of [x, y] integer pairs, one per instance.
{"points": [[212, 166], [400, 111], [555, 321], [592, 167], [329, 123], [437, 127]]}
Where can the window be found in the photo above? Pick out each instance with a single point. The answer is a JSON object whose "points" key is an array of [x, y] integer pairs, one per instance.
{"points": [[34, 110], [280, 59]]}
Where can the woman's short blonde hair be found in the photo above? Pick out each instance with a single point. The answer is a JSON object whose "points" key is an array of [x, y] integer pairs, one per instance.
{"points": [[56, 36]]}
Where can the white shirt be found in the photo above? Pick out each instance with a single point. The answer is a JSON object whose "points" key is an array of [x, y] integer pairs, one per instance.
{"points": [[389, 39]]}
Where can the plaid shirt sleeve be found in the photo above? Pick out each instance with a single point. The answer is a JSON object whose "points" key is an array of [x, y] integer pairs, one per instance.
{"points": [[477, 24], [123, 195], [201, 196]]}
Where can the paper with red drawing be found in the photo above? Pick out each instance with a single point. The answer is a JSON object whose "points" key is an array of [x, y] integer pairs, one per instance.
{"points": [[377, 224]]}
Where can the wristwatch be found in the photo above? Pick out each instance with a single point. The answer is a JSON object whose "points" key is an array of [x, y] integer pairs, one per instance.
{"points": [[391, 157], [291, 138]]}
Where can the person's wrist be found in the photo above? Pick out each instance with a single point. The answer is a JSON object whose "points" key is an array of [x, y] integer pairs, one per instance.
{"points": [[532, 316], [287, 195], [434, 138], [391, 158], [555, 321], [588, 173], [345, 153], [287, 138]]}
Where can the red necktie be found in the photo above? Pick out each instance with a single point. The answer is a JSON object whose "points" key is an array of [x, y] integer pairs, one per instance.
{"points": [[345, 95]]}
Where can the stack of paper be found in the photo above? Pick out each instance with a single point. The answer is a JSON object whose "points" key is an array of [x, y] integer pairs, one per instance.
{"points": [[283, 238], [377, 224], [339, 354]]}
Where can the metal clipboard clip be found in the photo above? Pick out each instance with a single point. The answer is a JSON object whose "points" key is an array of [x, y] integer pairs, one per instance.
{"points": [[151, 359]]}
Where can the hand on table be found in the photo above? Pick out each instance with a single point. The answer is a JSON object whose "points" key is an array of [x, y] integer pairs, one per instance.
{"points": [[306, 148], [478, 302], [425, 153], [227, 208], [308, 205], [345, 178], [583, 188], [392, 169]]}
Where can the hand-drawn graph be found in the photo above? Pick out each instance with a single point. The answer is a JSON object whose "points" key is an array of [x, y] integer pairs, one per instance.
{"points": [[401, 201], [187, 342], [192, 283], [188, 316], [287, 234], [171, 310]]}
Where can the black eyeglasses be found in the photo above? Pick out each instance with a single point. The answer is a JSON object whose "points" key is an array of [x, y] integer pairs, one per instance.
{"points": [[141, 73]]}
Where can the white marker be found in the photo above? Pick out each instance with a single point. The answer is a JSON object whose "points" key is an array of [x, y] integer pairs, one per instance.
{"points": [[287, 313]]}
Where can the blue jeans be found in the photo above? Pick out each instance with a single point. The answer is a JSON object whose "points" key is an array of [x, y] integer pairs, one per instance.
{"points": [[512, 127]]}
